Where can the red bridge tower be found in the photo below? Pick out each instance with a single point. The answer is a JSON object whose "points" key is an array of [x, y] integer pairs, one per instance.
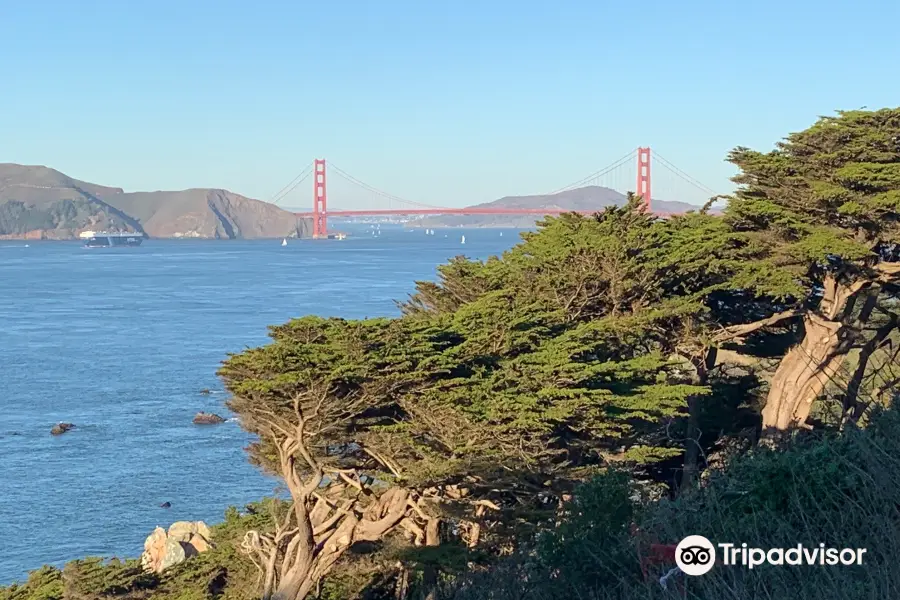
{"points": [[320, 196], [643, 176], [320, 201]]}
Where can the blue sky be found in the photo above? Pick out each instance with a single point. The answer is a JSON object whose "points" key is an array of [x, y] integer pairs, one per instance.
{"points": [[440, 102]]}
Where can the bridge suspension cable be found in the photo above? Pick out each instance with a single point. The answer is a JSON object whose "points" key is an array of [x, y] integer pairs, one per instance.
{"points": [[684, 176], [386, 195], [408, 207], [290, 187], [596, 175]]}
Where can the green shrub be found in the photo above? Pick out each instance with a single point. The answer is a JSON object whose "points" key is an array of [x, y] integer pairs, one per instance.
{"points": [[843, 491], [222, 572], [43, 584], [590, 547]]}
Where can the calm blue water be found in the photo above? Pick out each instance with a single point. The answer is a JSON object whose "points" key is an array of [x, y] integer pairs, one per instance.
{"points": [[121, 341]]}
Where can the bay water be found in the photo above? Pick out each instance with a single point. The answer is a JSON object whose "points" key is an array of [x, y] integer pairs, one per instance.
{"points": [[122, 341]]}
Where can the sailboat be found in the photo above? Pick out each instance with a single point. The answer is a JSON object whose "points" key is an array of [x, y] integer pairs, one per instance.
{"points": [[463, 241], [284, 242]]}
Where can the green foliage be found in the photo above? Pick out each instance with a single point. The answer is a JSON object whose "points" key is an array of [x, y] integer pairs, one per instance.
{"points": [[222, 572], [43, 584], [510, 380], [94, 577], [596, 522], [826, 199], [553, 357], [840, 490]]}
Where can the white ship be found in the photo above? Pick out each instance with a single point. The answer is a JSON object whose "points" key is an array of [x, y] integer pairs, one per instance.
{"points": [[107, 239]]}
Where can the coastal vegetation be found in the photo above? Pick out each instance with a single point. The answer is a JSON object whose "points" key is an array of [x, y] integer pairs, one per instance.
{"points": [[531, 422]]}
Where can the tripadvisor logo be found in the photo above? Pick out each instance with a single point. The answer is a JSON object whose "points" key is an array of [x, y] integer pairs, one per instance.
{"points": [[696, 555]]}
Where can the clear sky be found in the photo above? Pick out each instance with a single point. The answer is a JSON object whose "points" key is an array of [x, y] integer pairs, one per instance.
{"points": [[439, 102]]}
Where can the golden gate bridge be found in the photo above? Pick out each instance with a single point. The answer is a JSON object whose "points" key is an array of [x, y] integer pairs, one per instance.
{"points": [[613, 176]]}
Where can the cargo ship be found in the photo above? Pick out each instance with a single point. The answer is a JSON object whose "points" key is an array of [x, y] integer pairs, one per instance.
{"points": [[107, 239]]}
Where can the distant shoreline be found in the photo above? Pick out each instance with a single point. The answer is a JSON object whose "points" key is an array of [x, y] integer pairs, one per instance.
{"points": [[22, 238]]}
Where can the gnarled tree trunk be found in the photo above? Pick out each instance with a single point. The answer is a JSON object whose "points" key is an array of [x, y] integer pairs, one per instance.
{"points": [[802, 375], [296, 560], [324, 520], [807, 368]]}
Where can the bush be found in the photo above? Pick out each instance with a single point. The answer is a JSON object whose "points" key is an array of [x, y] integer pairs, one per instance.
{"points": [[222, 572], [840, 490], [843, 491], [590, 547]]}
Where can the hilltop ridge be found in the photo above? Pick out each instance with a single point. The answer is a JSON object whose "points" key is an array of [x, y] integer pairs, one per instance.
{"points": [[590, 197], [37, 202]]}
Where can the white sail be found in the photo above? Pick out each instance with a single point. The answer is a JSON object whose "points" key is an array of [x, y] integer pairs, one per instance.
{"points": [[284, 242], [463, 241]]}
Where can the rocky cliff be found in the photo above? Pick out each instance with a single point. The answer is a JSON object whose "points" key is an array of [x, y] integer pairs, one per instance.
{"points": [[207, 213], [41, 203]]}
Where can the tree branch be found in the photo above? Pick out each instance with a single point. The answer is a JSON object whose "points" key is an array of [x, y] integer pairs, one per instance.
{"points": [[487, 503], [333, 519], [383, 460], [393, 505], [888, 270], [354, 481], [735, 358], [418, 509], [735, 331], [417, 532]]}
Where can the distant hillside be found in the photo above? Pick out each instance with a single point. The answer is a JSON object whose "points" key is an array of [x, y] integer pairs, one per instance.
{"points": [[39, 202], [586, 198]]}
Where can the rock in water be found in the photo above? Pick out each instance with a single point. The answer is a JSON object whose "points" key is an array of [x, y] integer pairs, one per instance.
{"points": [[61, 428], [202, 418]]}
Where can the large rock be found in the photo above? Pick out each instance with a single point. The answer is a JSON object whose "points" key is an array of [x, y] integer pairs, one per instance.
{"points": [[164, 549], [184, 530], [203, 530], [203, 418], [174, 554], [61, 428], [154, 550], [199, 543]]}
